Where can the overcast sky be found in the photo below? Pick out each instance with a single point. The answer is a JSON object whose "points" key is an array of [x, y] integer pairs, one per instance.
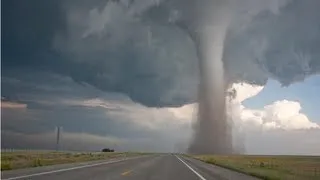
{"points": [[124, 75]]}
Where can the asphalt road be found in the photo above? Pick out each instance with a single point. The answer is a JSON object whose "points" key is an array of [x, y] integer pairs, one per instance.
{"points": [[155, 167]]}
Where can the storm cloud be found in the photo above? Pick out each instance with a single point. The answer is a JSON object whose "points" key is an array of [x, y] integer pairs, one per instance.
{"points": [[90, 118], [56, 54], [97, 42]]}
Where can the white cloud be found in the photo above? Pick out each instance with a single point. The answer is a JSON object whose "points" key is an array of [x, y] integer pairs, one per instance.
{"points": [[186, 112], [282, 114], [12, 105], [277, 128], [278, 115], [173, 124], [163, 120], [245, 91], [139, 115], [96, 102], [286, 115]]}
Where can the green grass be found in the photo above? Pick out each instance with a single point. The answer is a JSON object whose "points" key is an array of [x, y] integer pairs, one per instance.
{"points": [[24, 159], [269, 167]]}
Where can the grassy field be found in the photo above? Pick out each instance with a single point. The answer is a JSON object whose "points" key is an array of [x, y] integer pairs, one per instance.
{"points": [[269, 167], [25, 159]]}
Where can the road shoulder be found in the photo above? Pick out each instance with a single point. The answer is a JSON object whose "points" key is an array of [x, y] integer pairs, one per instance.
{"points": [[216, 172]]}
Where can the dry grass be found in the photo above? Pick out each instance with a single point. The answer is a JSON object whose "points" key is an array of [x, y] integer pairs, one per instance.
{"points": [[269, 167], [21, 159]]}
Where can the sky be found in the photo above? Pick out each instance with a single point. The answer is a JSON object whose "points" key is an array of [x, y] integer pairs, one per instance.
{"points": [[124, 74], [304, 92]]}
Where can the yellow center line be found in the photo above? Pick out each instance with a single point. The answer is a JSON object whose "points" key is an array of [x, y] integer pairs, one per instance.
{"points": [[126, 173]]}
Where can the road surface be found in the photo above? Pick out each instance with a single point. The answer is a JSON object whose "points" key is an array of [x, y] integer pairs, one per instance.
{"points": [[152, 167]]}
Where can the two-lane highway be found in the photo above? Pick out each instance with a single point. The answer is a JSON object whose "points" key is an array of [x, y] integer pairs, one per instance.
{"points": [[155, 167]]}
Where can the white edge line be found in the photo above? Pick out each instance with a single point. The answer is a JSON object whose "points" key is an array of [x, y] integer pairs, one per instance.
{"points": [[68, 169], [194, 171]]}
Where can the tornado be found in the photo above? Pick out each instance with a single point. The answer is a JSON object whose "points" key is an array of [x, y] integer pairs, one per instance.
{"points": [[212, 133]]}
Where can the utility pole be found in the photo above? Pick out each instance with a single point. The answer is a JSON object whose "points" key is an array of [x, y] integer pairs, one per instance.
{"points": [[58, 138]]}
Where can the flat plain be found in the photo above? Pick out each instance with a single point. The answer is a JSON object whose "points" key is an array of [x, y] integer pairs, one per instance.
{"points": [[26, 159], [268, 167]]}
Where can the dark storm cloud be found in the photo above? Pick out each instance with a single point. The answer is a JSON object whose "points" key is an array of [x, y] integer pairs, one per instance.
{"points": [[46, 36], [28, 28], [33, 85], [142, 49], [281, 45], [47, 106], [266, 39]]}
